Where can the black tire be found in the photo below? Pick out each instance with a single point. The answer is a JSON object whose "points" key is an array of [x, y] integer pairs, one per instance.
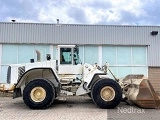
{"points": [[96, 93], [49, 96]]}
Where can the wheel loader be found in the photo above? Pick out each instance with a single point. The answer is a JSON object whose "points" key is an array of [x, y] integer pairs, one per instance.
{"points": [[40, 83]]}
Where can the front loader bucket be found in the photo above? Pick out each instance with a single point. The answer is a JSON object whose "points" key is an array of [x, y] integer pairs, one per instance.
{"points": [[147, 97]]}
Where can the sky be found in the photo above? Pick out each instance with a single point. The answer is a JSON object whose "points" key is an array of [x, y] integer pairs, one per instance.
{"points": [[101, 12]]}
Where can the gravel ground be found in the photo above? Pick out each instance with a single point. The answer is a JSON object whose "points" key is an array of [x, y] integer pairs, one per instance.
{"points": [[73, 108], [132, 112]]}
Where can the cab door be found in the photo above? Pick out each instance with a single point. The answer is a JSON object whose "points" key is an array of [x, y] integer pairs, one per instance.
{"points": [[66, 62]]}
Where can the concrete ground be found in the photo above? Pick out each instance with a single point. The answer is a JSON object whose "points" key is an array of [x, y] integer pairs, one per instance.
{"points": [[73, 108]]}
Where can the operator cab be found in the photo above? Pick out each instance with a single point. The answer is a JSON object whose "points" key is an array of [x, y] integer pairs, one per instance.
{"points": [[68, 60], [69, 55]]}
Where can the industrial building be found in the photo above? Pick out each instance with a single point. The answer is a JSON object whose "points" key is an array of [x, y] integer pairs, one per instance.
{"points": [[127, 49]]}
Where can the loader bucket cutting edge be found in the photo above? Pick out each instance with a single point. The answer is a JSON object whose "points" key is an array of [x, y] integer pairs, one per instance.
{"points": [[147, 97]]}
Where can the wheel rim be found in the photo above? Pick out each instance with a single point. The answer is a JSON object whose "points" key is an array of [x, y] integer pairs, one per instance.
{"points": [[107, 93], [38, 94]]}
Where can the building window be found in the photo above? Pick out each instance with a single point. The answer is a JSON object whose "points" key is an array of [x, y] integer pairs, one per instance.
{"points": [[124, 60], [91, 54]]}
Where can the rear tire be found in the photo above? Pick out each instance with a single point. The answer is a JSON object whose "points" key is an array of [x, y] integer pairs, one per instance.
{"points": [[106, 93], [39, 94]]}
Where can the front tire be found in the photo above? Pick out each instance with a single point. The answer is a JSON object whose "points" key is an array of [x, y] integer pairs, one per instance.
{"points": [[106, 93], [39, 94]]}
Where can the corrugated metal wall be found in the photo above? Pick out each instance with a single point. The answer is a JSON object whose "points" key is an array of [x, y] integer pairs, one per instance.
{"points": [[83, 34]]}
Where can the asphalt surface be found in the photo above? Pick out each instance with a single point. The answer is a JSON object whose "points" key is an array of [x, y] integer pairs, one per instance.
{"points": [[73, 108]]}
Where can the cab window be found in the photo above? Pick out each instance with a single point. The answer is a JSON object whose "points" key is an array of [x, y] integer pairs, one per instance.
{"points": [[65, 56]]}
